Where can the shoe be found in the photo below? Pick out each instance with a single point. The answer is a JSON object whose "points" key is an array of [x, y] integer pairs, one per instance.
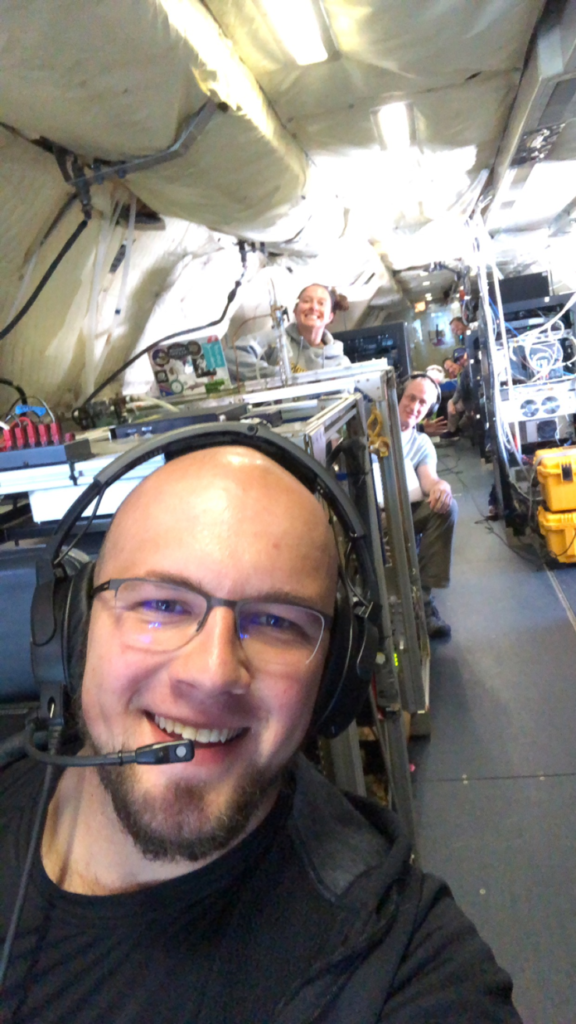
{"points": [[436, 627]]}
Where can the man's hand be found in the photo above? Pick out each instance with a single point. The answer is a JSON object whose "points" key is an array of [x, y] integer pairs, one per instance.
{"points": [[435, 427], [440, 496]]}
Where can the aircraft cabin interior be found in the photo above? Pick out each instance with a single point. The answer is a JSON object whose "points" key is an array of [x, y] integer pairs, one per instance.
{"points": [[343, 232]]}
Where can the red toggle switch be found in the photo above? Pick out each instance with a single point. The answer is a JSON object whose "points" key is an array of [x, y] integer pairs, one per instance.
{"points": [[31, 433], [56, 433], [44, 434], [9, 438]]}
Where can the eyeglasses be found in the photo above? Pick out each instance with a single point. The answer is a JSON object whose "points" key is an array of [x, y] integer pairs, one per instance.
{"points": [[164, 617]]}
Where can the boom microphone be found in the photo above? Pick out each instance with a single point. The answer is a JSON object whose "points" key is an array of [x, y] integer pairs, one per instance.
{"points": [[155, 753]]}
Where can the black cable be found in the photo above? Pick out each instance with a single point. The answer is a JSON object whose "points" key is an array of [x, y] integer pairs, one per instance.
{"points": [[489, 525], [21, 392], [44, 280], [76, 540], [536, 559], [169, 337]]}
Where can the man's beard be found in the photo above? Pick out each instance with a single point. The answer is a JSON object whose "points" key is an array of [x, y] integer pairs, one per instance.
{"points": [[178, 823]]}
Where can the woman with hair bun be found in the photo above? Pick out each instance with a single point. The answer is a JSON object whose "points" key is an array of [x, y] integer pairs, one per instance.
{"points": [[310, 344]]}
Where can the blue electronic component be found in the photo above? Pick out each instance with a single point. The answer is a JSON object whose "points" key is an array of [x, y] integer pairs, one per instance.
{"points": [[22, 410]]}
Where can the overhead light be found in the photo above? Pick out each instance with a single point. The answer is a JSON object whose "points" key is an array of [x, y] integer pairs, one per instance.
{"points": [[425, 282], [297, 26], [428, 296], [395, 126], [420, 307]]}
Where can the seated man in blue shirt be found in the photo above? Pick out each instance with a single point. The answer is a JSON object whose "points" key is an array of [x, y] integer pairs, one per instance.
{"points": [[434, 511], [451, 369]]}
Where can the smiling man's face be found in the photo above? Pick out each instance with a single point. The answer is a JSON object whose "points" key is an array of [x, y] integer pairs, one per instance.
{"points": [[235, 525], [418, 395], [451, 369]]}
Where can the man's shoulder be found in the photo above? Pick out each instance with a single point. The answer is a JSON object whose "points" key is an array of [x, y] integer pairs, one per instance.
{"points": [[341, 837], [23, 776], [413, 947], [417, 445], [20, 786], [425, 443]]}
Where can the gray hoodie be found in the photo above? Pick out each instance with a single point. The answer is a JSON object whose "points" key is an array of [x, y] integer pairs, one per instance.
{"points": [[256, 356]]}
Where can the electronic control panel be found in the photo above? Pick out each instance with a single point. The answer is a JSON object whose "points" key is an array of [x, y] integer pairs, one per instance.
{"points": [[539, 400]]}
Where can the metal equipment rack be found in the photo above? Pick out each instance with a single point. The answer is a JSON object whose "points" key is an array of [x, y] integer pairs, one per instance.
{"points": [[536, 409], [333, 410]]}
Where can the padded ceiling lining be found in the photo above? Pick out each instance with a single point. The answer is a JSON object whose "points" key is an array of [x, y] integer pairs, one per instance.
{"points": [[31, 193], [458, 64], [431, 44], [114, 78], [119, 78]]}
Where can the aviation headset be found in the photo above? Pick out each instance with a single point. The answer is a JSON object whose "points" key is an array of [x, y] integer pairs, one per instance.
{"points": [[415, 376], [62, 600]]}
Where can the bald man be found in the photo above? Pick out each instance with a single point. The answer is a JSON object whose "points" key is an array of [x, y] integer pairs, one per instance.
{"points": [[240, 887]]}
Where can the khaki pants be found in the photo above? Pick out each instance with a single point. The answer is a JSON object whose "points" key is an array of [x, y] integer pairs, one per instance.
{"points": [[436, 530]]}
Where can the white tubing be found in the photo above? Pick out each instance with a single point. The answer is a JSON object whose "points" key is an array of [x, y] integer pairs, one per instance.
{"points": [[126, 267], [106, 230]]}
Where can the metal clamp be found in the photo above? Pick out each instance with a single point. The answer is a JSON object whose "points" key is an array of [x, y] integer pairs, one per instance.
{"points": [[193, 128]]}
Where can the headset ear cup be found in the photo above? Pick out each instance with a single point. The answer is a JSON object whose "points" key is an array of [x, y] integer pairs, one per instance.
{"points": [[56, 608], [76, 618], [348, 669], [415, 376], [336, 667]]}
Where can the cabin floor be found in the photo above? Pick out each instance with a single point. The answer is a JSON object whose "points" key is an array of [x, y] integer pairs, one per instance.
{"points": [[495, 785]]}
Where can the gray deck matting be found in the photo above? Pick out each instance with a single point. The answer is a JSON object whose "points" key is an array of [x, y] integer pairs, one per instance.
{"points": [[503, 703]]}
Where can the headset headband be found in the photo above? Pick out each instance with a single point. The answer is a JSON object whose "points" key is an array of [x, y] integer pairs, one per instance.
{"points": [[213, 435], [421, 373]]}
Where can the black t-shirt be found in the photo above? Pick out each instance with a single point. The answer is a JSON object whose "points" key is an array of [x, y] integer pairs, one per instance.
{"points": [[194, 949]]}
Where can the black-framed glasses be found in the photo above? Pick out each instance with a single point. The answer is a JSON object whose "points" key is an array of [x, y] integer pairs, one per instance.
{"points": [[164, 617]]}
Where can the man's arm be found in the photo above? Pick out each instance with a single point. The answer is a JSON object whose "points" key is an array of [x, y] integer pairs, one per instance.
{"points": [[438, 492]]}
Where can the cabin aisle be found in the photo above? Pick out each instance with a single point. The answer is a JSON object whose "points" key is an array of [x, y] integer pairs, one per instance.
{"points": [[495, 787]]}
